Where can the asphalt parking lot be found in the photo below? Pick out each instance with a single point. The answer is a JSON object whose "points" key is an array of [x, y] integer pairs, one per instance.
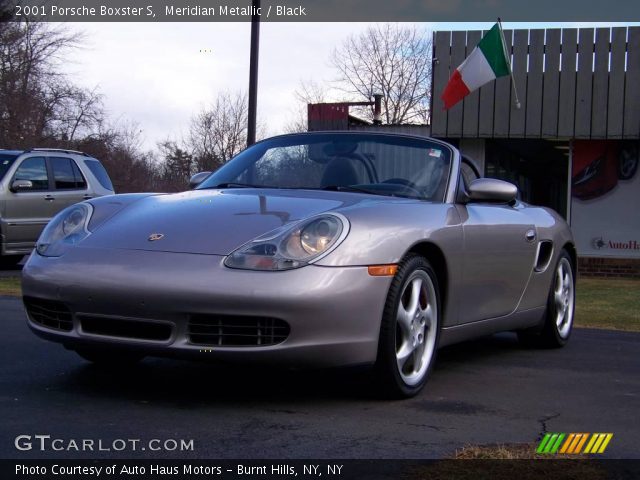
{"points": [[482, 392]]}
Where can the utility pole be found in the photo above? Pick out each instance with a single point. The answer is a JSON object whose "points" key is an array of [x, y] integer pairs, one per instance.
{"points": [[253, 73]]}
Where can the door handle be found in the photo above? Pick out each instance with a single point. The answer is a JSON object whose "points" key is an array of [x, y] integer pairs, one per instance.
{"points": [[530, 235], [87, 197], [49, 198]]}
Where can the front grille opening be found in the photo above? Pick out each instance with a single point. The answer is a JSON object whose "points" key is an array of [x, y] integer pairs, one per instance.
{"points": [[49, 313], [117, 327], [236, 331]]}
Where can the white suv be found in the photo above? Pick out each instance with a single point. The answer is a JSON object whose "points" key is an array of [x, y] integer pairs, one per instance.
{"points": [[36, 184]]}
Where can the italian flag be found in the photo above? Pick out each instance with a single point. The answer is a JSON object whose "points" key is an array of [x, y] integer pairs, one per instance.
{"points": [[488, 61]]}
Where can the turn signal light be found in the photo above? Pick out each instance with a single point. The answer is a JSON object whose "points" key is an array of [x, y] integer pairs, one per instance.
{"points": [[383, 270]]}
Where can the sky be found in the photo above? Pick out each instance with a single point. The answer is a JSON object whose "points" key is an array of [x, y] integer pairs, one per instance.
{"points": [[159, 74]]}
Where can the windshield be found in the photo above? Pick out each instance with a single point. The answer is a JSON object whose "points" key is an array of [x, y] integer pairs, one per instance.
{"points": [[6, 160], [361, 163]]}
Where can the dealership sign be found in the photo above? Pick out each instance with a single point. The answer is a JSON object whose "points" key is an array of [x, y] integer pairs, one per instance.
{"points": [[599, 243], [605, 191]]}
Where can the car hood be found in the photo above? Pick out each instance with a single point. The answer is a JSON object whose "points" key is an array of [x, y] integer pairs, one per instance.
{"points": [[214, 222]]}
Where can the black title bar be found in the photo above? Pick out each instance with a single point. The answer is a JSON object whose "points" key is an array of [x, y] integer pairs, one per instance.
{"points": [[322, 10], [319, 469]]}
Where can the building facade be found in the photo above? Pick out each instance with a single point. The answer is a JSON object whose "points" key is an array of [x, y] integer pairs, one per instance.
{"points": [[565, 128]]}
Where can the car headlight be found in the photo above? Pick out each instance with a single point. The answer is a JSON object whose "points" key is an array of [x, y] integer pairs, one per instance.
{"points": [[291, 247], [66, 229]]}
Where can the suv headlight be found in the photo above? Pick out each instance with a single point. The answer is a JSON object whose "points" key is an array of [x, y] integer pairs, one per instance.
{"points": [[66, 229], [291, 247]]}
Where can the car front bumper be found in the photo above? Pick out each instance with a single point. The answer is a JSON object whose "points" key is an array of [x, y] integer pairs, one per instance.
{"points": [[333, 313]]}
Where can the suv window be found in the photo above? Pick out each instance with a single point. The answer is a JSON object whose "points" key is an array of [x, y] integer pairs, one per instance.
{"points": [[100, 173], [33, 169], [66, 174], [6, 160]]}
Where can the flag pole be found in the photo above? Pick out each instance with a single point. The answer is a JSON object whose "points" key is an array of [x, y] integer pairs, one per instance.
{"points": [[508, 57]]}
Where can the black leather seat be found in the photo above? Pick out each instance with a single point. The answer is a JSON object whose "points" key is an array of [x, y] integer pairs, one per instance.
{"points": [[339, 172]]}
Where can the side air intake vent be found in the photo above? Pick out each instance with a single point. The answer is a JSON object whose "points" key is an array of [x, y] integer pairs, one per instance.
{"points": [[545, 252]]}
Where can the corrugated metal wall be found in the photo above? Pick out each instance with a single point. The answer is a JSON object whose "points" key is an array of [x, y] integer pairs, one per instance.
{"points": [[419, 130], [571, 84]]}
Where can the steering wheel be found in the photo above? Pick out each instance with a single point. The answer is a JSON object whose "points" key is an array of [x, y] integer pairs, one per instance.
{"points": [[405, 183]]}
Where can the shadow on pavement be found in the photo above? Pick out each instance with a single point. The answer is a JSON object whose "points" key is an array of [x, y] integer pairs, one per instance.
{"points": [[186, 383]]}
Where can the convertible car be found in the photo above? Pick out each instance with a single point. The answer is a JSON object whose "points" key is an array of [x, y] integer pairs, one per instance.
{"points": [[315, 249]]}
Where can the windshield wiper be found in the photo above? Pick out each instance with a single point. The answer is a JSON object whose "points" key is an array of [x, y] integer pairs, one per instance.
{"points": [[236, 185], [371, 191], [353, 188]]}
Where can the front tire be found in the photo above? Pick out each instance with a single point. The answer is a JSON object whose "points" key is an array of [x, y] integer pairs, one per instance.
{"points": [[410, 329], [559, 314]]}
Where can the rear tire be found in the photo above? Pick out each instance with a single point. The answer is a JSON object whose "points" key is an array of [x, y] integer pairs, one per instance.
{"points": [[109, 357], [560, 311], [410, 330]]}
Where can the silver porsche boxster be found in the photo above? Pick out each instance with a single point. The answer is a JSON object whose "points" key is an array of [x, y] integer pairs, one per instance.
{"points": [[315, 249]]}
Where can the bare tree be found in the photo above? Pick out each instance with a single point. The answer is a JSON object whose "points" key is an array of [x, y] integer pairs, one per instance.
{"points": [[80, 112], [41, 106], [219, 131], [307, 92], [33, 91], [119, 148], [6, 10], [178, 166], [393, 60]]}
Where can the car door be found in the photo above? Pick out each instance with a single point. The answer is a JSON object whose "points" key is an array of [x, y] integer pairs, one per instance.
{"points": [[69, 184], [29, 208], [499, 252]]}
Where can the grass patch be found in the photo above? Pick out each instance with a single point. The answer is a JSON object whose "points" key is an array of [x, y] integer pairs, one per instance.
{"points": [[608, 303], [10, 286], [506, 462], [502, 452], [518, 451]]}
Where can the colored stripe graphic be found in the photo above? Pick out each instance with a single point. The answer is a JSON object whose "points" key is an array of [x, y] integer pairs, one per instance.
{"points": [[543, 443], [573, 443], [550, 443], [594, 437], [556, 445], [605, 443], [598, 443], [599, 440], [568, 443], [581, 443]]}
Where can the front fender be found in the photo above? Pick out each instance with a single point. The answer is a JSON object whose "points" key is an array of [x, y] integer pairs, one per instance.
{"points": [[384, 233]]}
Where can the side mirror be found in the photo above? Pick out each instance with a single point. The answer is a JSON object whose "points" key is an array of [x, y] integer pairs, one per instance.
{"points": [[18, 185], [492, 190], [197, 179]]}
